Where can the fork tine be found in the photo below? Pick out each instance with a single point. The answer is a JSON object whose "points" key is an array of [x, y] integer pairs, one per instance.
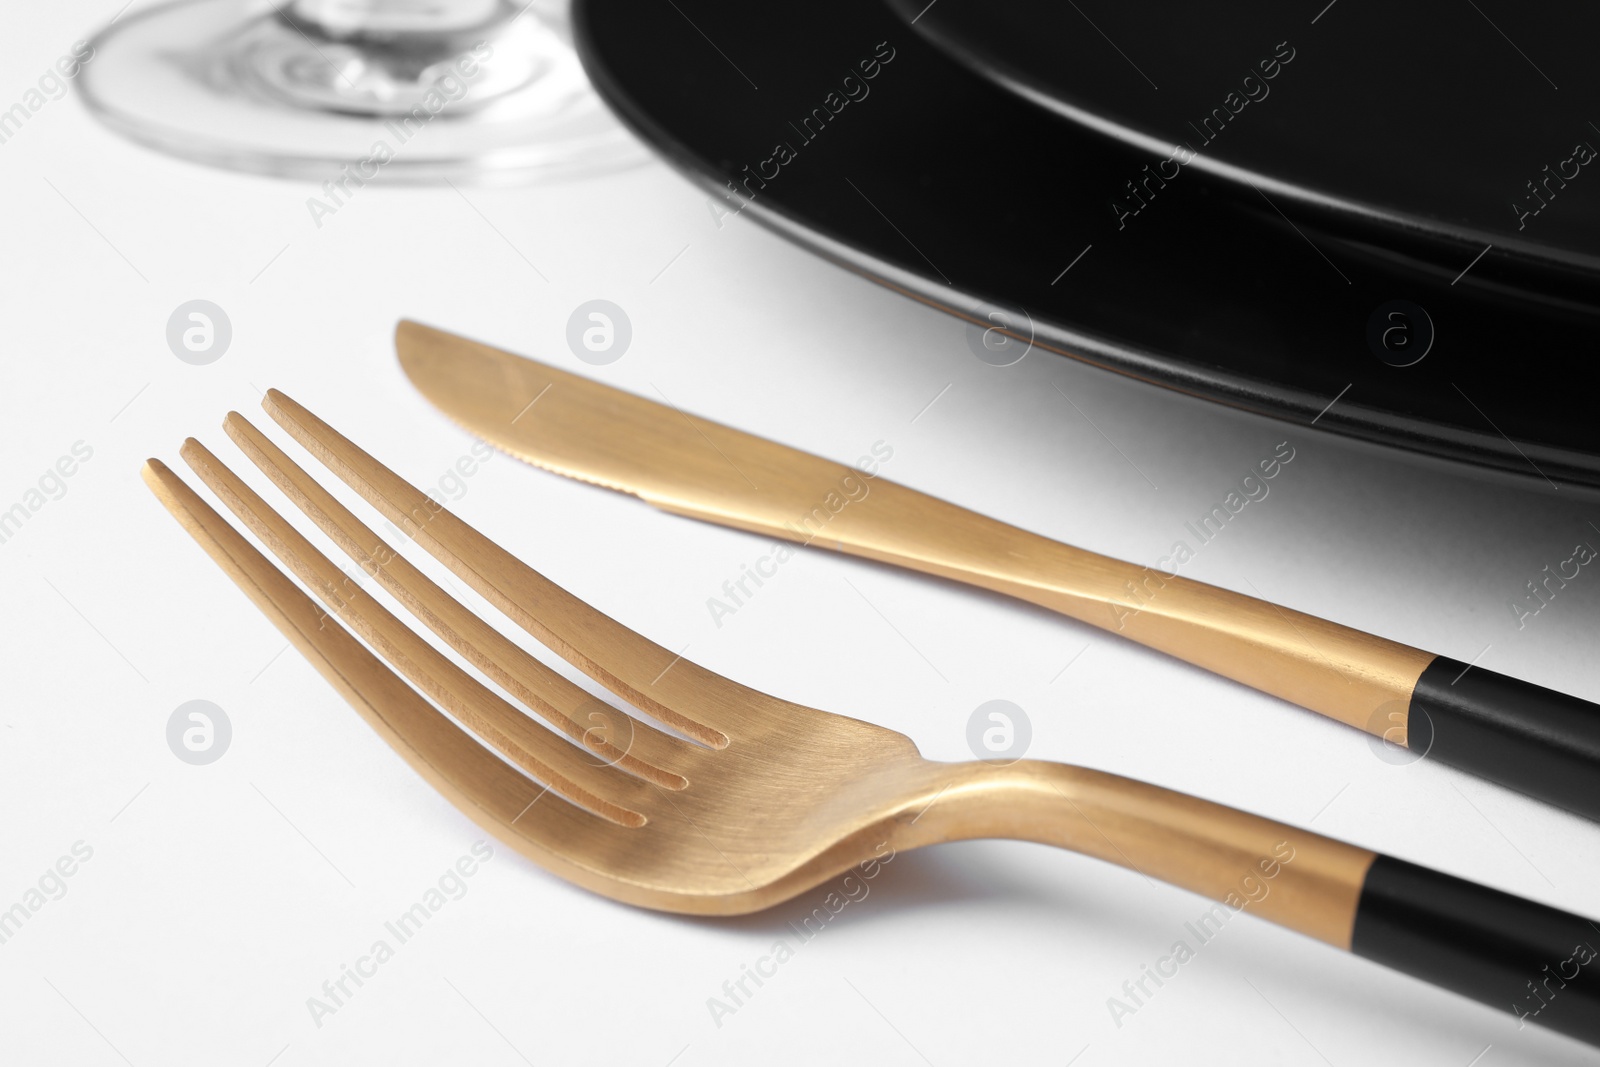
{"points": [[541, 753], [648, 676], [645, 751], [488, 790]]}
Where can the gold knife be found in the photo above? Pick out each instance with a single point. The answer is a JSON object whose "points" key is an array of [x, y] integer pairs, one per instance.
{"points": [[1541, 742]]}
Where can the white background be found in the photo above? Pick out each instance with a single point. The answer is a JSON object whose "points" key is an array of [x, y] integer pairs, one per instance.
{"points": [[219, 898]]}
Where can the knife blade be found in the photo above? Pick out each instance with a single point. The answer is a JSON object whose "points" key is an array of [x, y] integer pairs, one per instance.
{"points": [[1532, 739]]}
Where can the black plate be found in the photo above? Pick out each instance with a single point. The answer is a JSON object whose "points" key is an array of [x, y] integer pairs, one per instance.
{"points": [[1421, 119], [938, 183]]}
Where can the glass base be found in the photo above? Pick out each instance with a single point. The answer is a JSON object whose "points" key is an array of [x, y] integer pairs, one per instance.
{"points": [[243, 84]]}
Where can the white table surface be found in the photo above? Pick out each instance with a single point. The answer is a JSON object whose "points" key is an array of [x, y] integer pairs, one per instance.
{"points": [[219, 898]]}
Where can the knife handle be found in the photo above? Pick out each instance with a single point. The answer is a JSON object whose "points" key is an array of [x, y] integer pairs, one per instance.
{"points": [[1534, 740], [1537, 741]]}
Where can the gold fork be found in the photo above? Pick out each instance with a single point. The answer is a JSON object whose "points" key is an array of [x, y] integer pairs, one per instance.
{"points": [[740, 800]]}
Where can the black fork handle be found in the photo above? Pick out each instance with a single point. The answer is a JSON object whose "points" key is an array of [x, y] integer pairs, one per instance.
{"points": [[1538, 963]]}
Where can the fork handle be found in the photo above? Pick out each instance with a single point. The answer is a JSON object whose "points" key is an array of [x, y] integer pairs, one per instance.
{"points": [[1541, 964]]}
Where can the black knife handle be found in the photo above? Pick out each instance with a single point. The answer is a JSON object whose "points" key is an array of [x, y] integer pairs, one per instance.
{"points": [[1538, 963], [1534, 740]]}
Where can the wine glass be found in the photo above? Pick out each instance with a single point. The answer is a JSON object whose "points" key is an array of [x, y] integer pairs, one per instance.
{"points": [[487, 91]]}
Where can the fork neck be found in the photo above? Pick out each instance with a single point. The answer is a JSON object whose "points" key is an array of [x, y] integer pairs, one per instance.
{"points": [[1293, 877]]}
